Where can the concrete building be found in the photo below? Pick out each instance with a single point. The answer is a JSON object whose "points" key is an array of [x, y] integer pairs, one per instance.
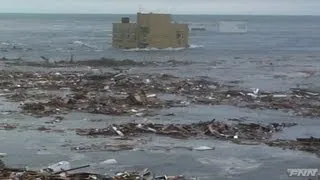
{"points": [[150, 31]]}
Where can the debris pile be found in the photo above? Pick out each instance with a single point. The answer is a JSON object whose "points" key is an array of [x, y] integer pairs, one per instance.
{"points": [[213, 128], [122, 93], [103, 62], [132, 103], [6, 126], [241, 133], [311, 144], [56, 172]]}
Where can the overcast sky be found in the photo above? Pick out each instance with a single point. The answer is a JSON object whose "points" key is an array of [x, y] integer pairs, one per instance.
{"points": [[273, 7]]}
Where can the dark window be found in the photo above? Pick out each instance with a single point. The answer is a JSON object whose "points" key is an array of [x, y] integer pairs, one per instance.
{"points": [[178, 35]]}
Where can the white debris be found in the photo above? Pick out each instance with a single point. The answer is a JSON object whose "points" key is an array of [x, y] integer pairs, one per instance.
{"points": [[94, 177], [185, 103], [151, 95], [106, 87], [280, 95], [64, 174], [212, 87], [109, 161], [255, 91], [120, 74], [57, 74], [65, 88], [117, 131], [312, 94], [60, 166], [134, 111], [147, 81], [211, 98], [236, 136], [139, 114], [151, 129], [203, 148], [252, 95], [228, 96], [147, 129]]}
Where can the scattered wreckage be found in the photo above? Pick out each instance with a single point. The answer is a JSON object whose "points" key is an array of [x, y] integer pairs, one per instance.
{"points": [[239, 133], [62, 171], [212, 128], [311, 144], [130, 94]]}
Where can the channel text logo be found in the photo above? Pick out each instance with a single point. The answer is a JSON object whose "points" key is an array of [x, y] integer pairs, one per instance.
{"points": [[303, 172]]}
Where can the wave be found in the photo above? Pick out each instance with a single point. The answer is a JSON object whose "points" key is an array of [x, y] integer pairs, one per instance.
{"points": [[192, 46], [13, 46], [5, 44], [80, 43]]}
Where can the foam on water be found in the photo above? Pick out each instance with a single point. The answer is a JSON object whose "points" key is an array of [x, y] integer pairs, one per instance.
{"points": [[5, 44], [192, 46], [80, 43]]}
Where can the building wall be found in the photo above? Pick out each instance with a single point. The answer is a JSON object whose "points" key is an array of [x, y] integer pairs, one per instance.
{"points": [[124, 35], [160, 30], [180, 35], [150, 31], [147, 19], [158, 26]]}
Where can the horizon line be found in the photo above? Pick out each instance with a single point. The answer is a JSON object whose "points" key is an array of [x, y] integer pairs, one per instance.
{"points": [[193, 14]]}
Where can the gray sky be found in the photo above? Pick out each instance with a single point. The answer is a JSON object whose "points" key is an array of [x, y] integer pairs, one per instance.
{"points": [[273, 7]]}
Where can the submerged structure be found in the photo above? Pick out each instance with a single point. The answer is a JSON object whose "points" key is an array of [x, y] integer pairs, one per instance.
{"points": [[150, 31]]}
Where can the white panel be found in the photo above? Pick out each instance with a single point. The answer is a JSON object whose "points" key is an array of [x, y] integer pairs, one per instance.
{"points": [[232, 27]]}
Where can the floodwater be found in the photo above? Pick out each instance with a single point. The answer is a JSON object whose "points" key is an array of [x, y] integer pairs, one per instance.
{"points": [[274, 54], [277, 53]]}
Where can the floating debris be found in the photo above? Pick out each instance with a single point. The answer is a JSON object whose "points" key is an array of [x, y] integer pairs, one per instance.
{"points": [[109, 161], [311, 144], [64, 174], [6, 126], [118, 93], [213, 128], [203, 148]]}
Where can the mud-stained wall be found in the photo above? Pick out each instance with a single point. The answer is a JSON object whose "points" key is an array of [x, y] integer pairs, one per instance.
{"points": [[150, 31], [124, 35]]}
